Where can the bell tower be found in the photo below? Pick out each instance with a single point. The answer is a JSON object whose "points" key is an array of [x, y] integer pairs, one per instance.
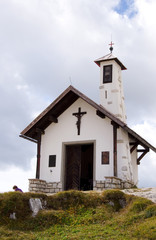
{"points": [[111, 88]]}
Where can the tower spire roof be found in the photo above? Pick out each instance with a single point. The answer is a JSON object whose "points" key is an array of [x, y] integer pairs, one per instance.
{"points": [[109, 57]]}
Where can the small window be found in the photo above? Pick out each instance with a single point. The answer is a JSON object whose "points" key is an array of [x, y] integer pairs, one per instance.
{"points": [[52, 160], [107, 74], [105, 158]]}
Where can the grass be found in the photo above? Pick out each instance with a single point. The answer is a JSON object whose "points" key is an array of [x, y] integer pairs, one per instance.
{"points": [[76, 215]]}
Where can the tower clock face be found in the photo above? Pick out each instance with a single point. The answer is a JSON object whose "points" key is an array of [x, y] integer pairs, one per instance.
{"points": [[107, 74]]}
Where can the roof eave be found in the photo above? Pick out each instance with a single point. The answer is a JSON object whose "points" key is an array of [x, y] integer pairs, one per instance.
{"points": [[93, 104], [98, 61]]}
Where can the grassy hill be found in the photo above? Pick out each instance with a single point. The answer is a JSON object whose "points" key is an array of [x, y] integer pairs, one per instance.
{"points": [[78, 215]]}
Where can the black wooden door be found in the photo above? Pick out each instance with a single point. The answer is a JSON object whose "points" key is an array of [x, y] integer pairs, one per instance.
{"points": [[73, 167]]}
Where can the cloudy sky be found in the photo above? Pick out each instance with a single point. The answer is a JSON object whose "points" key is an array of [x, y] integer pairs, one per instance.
{"points": [[45, 45]]}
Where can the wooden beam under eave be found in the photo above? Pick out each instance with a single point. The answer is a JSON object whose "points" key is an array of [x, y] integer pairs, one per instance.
{"points": [[142, 155], [52, 119], [134, 146], [141, 150], [100, 114], [132, 143], [41, 131]]}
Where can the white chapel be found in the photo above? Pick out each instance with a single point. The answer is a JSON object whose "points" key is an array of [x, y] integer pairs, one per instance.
{"points": [[84, 145]]}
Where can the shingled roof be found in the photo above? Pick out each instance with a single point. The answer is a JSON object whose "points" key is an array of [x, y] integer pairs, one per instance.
{"points": [[65, 100]]}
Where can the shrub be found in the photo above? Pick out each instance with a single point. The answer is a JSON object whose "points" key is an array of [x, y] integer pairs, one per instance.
{"points": [[150, 211], [17, 202], [73, 198], [140, 205], [66, 199], [93, 199], [114, 197], [14, 202]]}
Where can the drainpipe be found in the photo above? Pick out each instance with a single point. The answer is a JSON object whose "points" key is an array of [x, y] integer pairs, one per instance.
{"points": [[115, 127], [38, 156]]}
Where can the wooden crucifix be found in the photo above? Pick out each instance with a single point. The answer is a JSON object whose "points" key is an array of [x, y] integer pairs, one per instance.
{"points": [[79, 114]]}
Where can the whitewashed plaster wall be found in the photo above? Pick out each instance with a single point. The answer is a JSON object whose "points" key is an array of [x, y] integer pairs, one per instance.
{"points": [[93, 129], [113, 100], [125, 170], [135, 166]]}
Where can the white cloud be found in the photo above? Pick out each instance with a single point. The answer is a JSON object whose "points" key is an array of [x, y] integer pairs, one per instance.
{"points": [[147, 167], [17, 176]]}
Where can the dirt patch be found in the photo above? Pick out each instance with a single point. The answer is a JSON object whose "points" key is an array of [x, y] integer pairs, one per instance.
{"points": [[149, 193]]}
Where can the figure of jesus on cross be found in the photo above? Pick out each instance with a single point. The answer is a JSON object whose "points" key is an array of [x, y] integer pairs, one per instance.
{"points": [[79, 115]]}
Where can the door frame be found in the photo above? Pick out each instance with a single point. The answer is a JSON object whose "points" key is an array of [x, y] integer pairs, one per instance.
{"points": [[63, 162]]}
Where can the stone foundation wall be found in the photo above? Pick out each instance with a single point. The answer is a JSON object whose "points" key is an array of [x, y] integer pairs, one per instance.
{"points": [[111, 183], [41, 186]]}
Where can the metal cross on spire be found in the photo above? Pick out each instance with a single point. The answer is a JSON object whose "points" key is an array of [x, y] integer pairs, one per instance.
{"points": [[111, 46]]}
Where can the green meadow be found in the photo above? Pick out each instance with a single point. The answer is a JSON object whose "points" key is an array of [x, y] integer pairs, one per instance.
{"points": [[78, 215]]}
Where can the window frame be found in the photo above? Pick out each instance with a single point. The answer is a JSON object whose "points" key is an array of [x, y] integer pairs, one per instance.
{"points": [[105, 159], [52, 161], [110, 75]]}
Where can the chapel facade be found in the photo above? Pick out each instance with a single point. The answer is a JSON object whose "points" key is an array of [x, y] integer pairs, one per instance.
{"points": [[84, 145]]}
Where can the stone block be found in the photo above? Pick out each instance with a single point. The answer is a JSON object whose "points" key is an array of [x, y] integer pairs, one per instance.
{"points": [[56, 190], [107, 185], [59, 185], [118, 186], [49, 184], [99, 190], [94, 184], [98, 185], [116, 181], [127, 185], [33, 185], [54, 185], [108, 180], [47, 190], [124, 168], [43, 184], [110, 186], [34, 188]]}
